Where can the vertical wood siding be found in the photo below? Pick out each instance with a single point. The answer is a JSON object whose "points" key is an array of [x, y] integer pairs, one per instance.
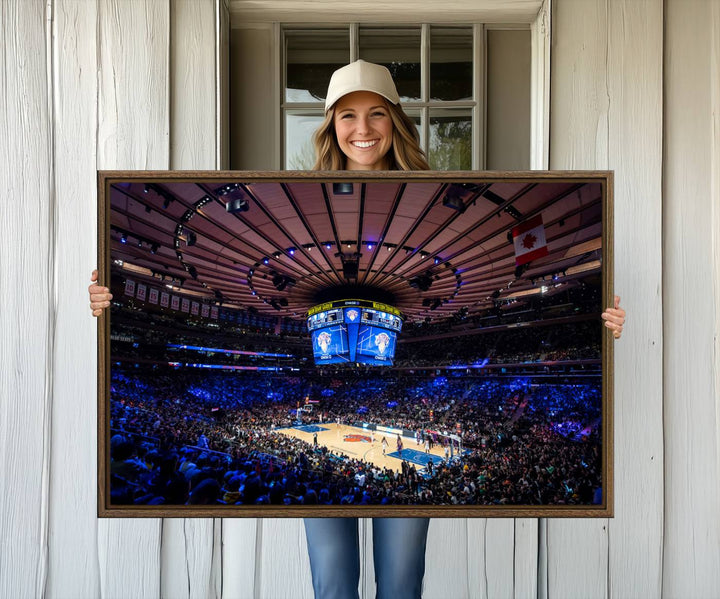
{"points": [[607, 113], [119, 84], [690, 219], [26, 287], [73, 552]]}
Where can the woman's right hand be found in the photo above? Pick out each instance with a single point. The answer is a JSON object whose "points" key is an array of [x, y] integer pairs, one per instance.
{"points": [[99, 296]]}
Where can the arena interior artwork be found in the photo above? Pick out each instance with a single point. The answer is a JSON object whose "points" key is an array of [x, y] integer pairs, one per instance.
{"points": [[351, 344]]}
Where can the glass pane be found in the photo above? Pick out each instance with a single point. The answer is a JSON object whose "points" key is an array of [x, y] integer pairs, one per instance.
{"points": [[451, 56], [311, 57], [450, 140], [415, 117], [399, 51], [299, 149]]}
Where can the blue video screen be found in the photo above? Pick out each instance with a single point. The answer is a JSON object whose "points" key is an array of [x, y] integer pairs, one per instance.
{"points": [[375, 345], [330, 345]]}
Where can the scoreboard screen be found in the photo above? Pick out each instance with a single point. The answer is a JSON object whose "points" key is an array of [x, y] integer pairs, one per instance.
{"points": [[381, 319], [375, 345], [330, 345], [324, 319], [354, 331]]}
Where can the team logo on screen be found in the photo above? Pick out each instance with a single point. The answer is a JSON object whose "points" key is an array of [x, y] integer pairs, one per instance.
{"points": [[352, 315], [382, 341], [356, 438], [323, 341]]}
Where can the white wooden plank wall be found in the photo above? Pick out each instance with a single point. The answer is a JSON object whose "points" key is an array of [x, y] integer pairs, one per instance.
{"points": [[117, 84], [26, 281], [607, 113], [691, 324], [73, 552]]}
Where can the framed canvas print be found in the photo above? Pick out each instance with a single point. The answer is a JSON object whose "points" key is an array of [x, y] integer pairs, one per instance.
{"points": [[285, 344]]}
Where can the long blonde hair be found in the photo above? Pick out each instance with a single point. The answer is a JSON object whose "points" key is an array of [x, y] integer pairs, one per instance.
{"points": [[405, 154]]}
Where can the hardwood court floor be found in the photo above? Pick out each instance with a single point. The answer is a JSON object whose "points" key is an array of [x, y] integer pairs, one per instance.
{"points": [[338, 438]]}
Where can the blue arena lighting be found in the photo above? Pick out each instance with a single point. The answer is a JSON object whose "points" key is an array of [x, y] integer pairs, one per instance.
{"points": [[229, 351], [226, 367]]}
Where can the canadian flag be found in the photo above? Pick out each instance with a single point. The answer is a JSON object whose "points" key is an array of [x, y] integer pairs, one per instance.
{"points": [[529, 241]]}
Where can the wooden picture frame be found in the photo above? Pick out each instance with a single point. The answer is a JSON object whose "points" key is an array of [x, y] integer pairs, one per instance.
{"points": [[502, 357]]}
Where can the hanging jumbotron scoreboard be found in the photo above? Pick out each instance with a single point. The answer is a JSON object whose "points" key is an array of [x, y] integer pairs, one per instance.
{"points": [[354, 332]]}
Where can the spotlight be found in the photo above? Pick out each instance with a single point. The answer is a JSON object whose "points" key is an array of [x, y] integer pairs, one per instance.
{"points": [[279, 282], [453, 198], [437, 260], [350, 269], [342, 189], [291, 251], [237, 205], [146, 188], [191, 238], [154, 248], [266, 260], [123, 238], [421, 282], [328, 245]]}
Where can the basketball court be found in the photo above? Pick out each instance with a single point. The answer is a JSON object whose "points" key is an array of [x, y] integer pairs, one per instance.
{"points": [[357, 443]]}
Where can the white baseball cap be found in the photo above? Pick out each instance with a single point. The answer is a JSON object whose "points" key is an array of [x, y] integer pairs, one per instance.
{"points": [[361, 76]]}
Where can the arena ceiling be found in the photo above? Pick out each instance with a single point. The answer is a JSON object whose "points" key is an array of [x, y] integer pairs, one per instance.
{"points": [[429, 247]]}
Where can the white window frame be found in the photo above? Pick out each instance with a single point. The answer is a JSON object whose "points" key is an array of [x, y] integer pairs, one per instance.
{"points": [[536, 15]]}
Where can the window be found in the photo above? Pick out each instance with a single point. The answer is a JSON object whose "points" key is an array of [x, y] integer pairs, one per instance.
{"points": [[436, 69], [468, 88]]}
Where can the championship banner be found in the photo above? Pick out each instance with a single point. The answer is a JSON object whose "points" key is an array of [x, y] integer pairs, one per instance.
{"points": [[185, 305], [214, 312], [205, 311], [130, 287], [175, 302], [153, 297], [141, 292], [529, 241], [164, 299], [195, 308]]}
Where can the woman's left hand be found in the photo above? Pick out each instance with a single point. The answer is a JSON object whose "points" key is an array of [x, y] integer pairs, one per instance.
{"points": [[615, 318]]}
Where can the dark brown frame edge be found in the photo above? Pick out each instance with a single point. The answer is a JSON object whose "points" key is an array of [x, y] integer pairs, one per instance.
{"points": [[605, 510]]}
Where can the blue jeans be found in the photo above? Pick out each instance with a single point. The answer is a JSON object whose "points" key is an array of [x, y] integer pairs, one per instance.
{"points": [[398, 552]]}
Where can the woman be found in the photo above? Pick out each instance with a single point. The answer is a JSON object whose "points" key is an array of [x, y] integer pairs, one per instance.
{"points": [[365, 129]]}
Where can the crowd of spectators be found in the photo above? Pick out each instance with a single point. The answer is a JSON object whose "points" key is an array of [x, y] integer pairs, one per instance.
{"points": [[187, 437]]}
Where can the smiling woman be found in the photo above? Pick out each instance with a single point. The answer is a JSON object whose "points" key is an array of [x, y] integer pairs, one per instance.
{"points": [[364, 131], [363, 107]]}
